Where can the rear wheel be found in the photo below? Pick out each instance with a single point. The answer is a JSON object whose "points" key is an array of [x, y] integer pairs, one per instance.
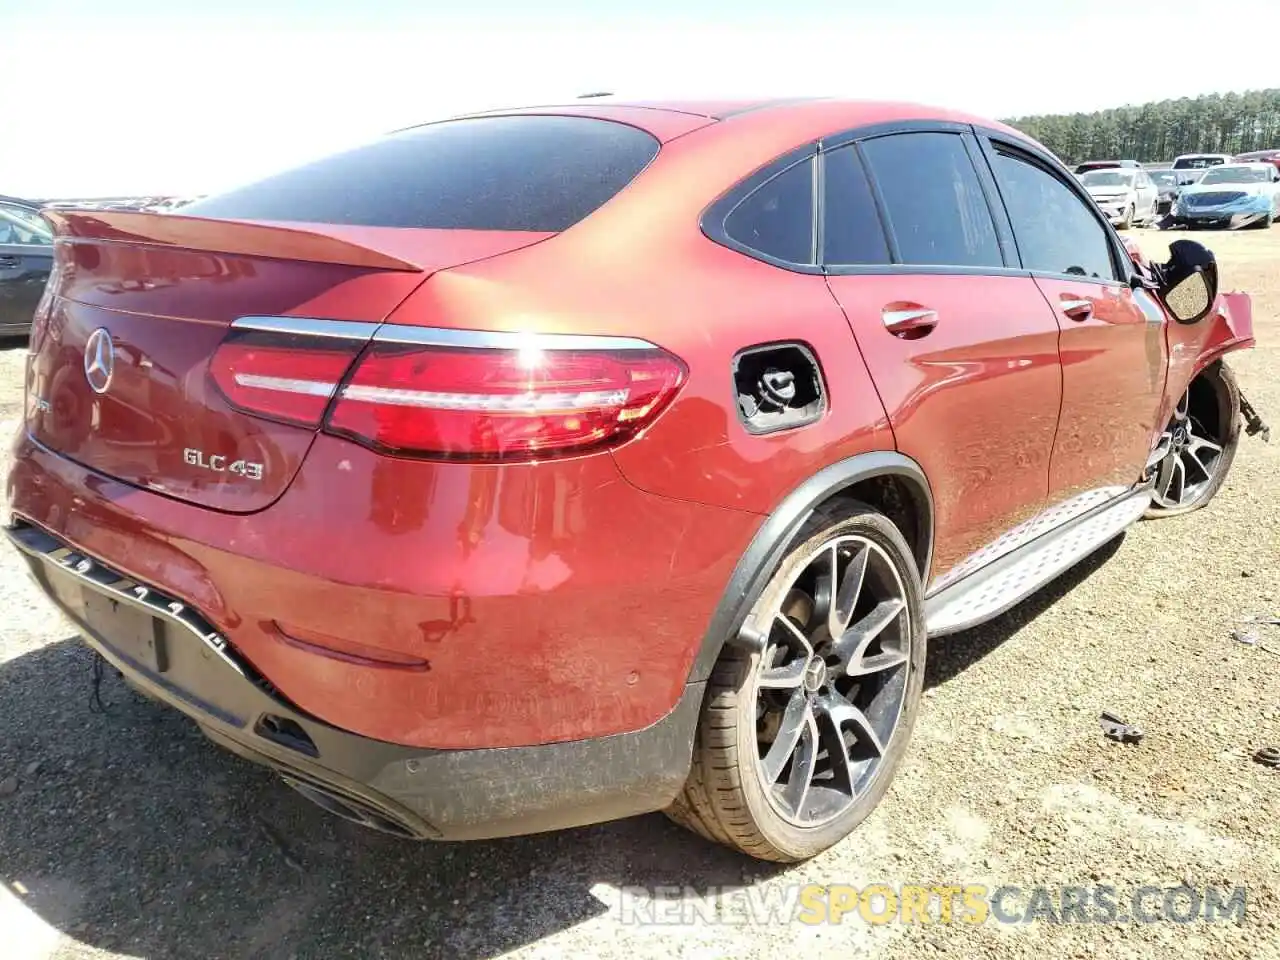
{"points": [[1198, 445], [797, 744]]}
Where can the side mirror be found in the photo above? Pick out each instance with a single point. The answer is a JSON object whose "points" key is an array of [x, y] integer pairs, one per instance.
{"points": [[1189, 281]]}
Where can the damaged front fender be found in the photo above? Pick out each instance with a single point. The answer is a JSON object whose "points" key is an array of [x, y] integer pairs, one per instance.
{"points": [[1193, 346]]}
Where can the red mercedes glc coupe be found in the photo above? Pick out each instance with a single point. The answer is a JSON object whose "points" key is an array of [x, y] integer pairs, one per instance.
{"points": [[546, 466]]}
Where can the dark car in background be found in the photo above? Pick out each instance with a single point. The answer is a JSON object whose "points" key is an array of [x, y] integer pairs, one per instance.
{"points": [[1166, 182], [26, 257]]}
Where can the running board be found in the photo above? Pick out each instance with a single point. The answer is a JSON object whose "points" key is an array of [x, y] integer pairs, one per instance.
{"points": [[992, 590]]}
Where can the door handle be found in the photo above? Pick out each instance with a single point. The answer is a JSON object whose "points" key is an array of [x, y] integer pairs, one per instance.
{"points": [[10, 263], [1077, 309], [910, 323]]}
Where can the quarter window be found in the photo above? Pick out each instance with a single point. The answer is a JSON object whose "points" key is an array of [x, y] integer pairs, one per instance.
{"points": [[777, 218], [1054, 229], [852, 233], [934, 200]]}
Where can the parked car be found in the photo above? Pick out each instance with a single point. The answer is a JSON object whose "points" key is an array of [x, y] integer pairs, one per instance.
{"points": [[543, 467], [1259, 156], [1126, 195], [1106, 165], [1166, 182], [1231, 195], [26, 257], [1189, 166]]}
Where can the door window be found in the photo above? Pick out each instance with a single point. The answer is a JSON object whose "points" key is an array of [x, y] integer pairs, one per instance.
{"points": [[851, 228], [934, 200], [1056, 232]]}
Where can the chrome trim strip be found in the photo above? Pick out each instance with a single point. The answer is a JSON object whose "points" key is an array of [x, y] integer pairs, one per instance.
{"points": [[311, 388], [97, 576], [504, 339], [531, 402], [306, 326]]}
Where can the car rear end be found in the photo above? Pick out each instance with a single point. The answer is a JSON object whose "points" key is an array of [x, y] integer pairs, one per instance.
{"points": [[378, 545], [1191, 167]]}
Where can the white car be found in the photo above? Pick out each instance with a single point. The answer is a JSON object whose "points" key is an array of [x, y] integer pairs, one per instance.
{"points": [[1233, 194], [1189, 166], [1126, 195]]}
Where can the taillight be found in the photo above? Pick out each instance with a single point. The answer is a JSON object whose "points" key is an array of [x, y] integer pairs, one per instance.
{"points": [[282, 376], [446, 394], [493, 403]]}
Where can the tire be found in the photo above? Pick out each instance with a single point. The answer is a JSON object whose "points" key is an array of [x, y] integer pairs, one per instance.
{"points": [[1127, 222], [726, 798], [1212, 396]]}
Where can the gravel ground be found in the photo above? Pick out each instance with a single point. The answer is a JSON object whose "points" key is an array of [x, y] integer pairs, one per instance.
{"points": [[129, 836]]}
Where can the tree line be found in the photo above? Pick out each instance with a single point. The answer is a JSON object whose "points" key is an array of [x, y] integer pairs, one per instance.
{"points": [[1152, 132]]}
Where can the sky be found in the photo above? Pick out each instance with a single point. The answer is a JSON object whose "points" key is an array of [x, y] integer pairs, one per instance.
{"points": [[130, 97]]}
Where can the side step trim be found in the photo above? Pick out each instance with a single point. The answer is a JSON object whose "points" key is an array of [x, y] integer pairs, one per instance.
{"points": [[991, 591]]}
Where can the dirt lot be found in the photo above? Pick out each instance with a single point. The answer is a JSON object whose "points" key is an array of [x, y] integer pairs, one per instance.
{"points": [[128, 835]]}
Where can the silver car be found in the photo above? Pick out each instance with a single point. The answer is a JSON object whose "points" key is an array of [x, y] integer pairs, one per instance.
{"points": [[1127, 196]]}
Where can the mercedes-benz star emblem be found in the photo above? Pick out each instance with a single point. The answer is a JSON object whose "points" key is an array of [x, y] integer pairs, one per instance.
{"points": [[99, 360]]}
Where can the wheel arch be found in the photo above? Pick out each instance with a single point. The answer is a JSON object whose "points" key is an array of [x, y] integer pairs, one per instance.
{"points": [[893, 483]]}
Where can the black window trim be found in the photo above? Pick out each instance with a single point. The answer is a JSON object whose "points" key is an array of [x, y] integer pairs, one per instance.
{"points": [[979, 142], [990, 140], [714, 216]]}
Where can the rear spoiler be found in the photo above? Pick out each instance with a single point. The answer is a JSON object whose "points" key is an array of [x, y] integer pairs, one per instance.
{"points": [[235, 237]]}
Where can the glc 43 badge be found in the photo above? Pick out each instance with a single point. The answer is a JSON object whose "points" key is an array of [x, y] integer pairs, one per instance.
{"points": [[217, 463]]}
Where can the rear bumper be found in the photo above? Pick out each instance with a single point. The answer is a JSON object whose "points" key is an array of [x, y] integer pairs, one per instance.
{"points": [[171, 652], [437, 606]]}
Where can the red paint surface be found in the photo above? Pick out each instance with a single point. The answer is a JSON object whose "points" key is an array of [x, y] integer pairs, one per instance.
{"points": [[1113, 372]]}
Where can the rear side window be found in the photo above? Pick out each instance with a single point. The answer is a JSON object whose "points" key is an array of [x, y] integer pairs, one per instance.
{"points": [[1055, 230], [776, 218], [934, 200], [533, 173], [851, 228]]}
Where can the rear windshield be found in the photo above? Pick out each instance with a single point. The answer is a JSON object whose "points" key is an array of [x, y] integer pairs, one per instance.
{"points": [[539, 173], [1107, 178]]}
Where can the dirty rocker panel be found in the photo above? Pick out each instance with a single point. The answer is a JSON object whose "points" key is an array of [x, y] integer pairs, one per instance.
{"points": [[1004, 582]]}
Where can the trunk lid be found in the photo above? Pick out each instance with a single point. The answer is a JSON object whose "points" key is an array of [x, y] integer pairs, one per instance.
{"points": [[118, 377]]}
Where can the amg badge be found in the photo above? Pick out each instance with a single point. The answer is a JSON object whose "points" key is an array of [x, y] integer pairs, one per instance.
{"points": [[221, 464]]}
